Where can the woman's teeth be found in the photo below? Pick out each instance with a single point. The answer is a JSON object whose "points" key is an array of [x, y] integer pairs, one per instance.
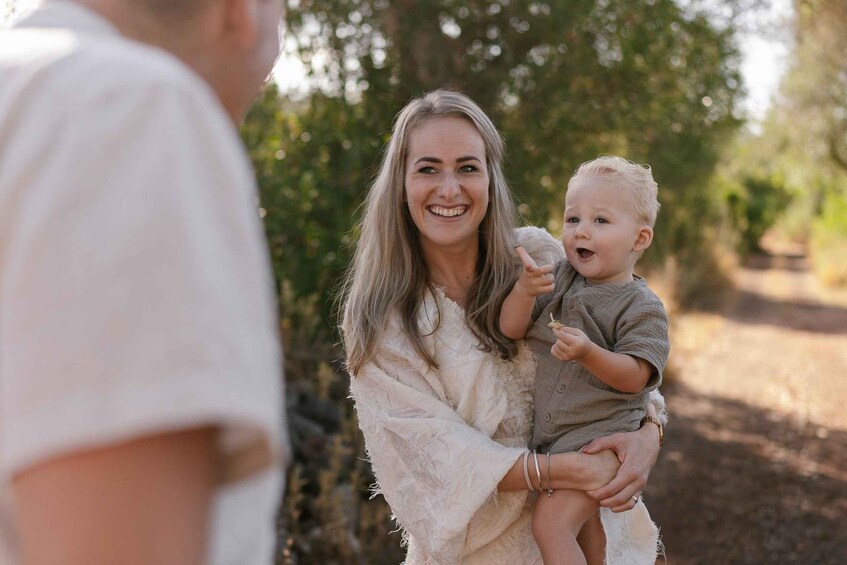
{"points": [[448, 212]]}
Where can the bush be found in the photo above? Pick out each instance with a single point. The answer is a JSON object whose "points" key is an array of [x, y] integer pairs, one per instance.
{"points": [[754, 205], [829, 240]]}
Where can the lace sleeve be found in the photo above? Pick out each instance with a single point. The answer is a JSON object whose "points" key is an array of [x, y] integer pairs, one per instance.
{"points": [[658, 402], [434, 470]]}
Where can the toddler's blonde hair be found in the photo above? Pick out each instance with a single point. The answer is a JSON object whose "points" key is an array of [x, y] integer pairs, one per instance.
{"points": [[626, 174]]}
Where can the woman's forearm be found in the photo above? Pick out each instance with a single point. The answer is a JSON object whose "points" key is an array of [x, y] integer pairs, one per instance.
{"points": [[514, 479], [578, 471]]}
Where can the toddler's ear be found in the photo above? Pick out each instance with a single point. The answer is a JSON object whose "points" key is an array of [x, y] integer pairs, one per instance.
{"points": [[644, 239]]}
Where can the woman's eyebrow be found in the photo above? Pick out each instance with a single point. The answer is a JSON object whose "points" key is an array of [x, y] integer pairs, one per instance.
{"points": [[463, 159], [429, 160]]}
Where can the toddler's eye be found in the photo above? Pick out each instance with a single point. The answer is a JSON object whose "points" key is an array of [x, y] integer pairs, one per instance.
{"points": [[602, 221], [571, 220]]}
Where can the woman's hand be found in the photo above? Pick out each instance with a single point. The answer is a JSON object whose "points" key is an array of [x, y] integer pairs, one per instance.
{"points": [[637, 452], [573, 470], [581, 471]]}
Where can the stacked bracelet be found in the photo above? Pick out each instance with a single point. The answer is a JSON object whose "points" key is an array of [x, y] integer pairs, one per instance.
{"points": [[537, 469], [526, 471], [549, 489]]}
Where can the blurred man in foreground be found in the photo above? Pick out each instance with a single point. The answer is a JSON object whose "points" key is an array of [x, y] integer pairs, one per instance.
{"points": [[140, 372]]}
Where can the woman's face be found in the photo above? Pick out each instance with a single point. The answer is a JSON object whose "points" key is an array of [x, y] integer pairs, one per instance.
{"points": [[447, 183]]}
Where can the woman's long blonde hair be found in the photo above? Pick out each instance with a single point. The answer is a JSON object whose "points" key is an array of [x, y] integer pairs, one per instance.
{"points": [[388, 274]]}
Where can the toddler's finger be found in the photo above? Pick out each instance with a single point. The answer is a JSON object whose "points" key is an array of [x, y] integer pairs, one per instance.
{"points": [[566, 334], [558, 354], [528, 262], [546, 269]]}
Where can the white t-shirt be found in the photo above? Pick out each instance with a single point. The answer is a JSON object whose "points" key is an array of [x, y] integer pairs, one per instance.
{"points": [[135, 286]]}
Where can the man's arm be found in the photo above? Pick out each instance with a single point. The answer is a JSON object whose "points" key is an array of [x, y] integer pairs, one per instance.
{"points": [[139, 502]]}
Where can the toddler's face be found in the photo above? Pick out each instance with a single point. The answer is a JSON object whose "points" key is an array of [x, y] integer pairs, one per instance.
{"points": [[602, 233]]}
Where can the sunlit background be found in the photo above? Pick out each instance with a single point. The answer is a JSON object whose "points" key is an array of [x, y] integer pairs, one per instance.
{"points": [[763, 44], [740, 107]]}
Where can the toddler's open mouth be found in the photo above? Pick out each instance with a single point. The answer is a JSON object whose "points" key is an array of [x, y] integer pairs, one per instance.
{"points": [[584, 253]]}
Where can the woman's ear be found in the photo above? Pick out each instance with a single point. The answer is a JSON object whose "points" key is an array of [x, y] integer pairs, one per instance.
{"points": [[644, 238], [240, 25]]}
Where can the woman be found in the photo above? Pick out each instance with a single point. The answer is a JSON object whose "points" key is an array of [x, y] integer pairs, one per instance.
{"points": [[443, 398]]}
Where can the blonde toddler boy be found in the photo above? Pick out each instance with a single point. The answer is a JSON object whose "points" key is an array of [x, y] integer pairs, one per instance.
{"points": [[607, 345]]}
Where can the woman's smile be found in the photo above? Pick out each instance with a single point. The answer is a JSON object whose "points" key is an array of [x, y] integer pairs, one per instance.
{"points": [[448, 212]]}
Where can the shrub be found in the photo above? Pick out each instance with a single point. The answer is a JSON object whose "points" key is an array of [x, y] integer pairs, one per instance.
{"points": [[829, 240]]}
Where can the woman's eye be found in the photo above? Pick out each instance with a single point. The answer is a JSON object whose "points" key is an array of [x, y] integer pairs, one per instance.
{"points": [[468, 169], [427, 170]]}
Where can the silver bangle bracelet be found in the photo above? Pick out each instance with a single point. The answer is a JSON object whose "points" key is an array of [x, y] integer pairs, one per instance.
{"points": [[549, 489], [537, 468], [526, 471]]}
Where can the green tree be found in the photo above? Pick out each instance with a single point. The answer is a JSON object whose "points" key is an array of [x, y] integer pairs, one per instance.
{"points": [[805, 136], [816, 87], [565, 80]]}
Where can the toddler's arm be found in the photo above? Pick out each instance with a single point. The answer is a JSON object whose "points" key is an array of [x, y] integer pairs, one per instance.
{"points": [[620, 371], [516, 313]]}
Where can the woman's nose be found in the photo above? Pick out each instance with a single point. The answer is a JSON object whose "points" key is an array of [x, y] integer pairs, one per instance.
{"points": [[449, 187]]}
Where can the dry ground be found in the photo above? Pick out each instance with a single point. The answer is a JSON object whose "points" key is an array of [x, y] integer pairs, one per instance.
{"points": [[754, 468]]}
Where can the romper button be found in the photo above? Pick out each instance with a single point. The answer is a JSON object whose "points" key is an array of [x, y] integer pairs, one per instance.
{"points": [[560, 389], [547, 417]]}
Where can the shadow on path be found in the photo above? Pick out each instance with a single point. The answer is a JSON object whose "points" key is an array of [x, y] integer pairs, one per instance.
{"points": [[803, 315], [765, 261], [753, 308], [739, 484]]}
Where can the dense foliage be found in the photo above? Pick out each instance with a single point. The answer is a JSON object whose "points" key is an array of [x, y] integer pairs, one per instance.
{"points": [[804, 140], [564, 80]]}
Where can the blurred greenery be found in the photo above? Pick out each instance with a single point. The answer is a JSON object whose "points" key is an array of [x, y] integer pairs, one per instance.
{"points": [[654, 80], [754, 204], [565, 81], [815, 99], [802, 149]]}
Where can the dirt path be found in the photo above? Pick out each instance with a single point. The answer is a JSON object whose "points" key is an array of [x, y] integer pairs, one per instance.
{"points": [[754, 468]]}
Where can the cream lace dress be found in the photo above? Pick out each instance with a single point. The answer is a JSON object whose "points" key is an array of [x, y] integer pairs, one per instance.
{"points": [[441, 440]]}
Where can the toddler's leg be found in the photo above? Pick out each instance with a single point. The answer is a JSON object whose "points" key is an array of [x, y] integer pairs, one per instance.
{"points": [[592, 540], [556, 523]]}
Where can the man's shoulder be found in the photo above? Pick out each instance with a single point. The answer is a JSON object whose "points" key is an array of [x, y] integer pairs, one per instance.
{"points": [[76, 68]]}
